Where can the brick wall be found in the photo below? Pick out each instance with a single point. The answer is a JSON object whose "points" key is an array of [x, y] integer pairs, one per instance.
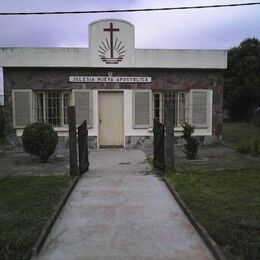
{"points": [[57, 78]]}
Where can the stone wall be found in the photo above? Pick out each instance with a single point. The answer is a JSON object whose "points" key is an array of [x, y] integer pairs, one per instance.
{"points": [[145, 143], [64, 142], [168, 79], [14, 141]]}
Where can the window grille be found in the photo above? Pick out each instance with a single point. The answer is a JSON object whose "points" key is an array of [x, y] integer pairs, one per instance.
{"points": [[179, 101], [52, 107]]}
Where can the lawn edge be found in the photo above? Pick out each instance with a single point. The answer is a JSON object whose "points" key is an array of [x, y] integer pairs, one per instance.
{"points": [[52, 219], [211, 244]]}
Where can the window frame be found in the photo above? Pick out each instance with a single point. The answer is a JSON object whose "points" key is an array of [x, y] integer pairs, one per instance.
{"points": [[61, 93], [162, 102]]}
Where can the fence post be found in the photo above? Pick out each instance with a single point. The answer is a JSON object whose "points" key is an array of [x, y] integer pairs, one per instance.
{"points": [[169, 138], [73, 141], [83, 147]]}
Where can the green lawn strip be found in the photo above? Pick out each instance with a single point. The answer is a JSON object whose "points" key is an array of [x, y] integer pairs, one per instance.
{"points": [[26, 203], [226, 203], [240, 133]]}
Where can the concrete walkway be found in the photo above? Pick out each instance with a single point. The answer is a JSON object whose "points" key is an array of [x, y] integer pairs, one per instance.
{"points": [[117, 211]]}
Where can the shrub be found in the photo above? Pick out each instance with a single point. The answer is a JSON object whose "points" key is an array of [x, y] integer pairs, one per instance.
{"points": [[191, 148], [39, 139], [192, 145], [1, 122], [187, 131]]}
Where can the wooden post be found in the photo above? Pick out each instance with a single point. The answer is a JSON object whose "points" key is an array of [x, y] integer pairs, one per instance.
{"points": [[73, 141], [169, 138], [83, 147]]}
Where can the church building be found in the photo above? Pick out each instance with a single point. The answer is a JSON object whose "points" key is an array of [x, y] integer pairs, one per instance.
{"points": [[117, 88]]}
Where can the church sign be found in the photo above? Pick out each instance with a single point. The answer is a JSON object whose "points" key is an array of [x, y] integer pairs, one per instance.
{"points": [[97, 79]]}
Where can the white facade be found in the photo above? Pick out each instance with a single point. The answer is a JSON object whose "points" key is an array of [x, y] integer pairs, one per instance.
{"points": [[142, 58], [129, 130], [124, 40], [111, 46]]}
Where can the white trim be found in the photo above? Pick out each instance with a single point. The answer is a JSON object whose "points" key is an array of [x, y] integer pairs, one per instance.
{"points": [[62, 106], [110, 20], [98, 114], [142, 58]]}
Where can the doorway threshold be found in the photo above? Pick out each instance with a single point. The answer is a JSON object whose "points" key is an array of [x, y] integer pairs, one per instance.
{"points": [[111, 146]]}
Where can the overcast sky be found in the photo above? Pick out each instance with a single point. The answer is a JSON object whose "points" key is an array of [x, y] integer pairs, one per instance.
{"points": [[219, 28]]}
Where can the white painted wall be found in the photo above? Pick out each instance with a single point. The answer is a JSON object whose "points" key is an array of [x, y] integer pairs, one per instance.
{"points": [[80, 57], [44, 57], [190, 59], [125, 37], [133, 58]]}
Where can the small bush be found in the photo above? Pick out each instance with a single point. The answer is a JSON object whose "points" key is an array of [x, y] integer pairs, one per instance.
{"points": [[192, 145], [1, 122], [39, 139], [187, 131], [191, 148]]}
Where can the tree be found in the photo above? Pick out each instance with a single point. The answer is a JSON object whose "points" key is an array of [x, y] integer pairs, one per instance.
{"points": [[242, 80]]}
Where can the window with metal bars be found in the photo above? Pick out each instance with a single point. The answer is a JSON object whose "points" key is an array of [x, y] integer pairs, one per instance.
{"points": [[52, 107], [179, 101]]}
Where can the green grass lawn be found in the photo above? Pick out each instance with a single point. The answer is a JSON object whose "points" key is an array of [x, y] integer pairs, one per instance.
{"points": [[26, 203], [238, 134], [225, 198]]}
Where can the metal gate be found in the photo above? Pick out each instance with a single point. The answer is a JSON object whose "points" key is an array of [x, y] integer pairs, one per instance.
{"points": [[83, 147], [159, 149]]}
